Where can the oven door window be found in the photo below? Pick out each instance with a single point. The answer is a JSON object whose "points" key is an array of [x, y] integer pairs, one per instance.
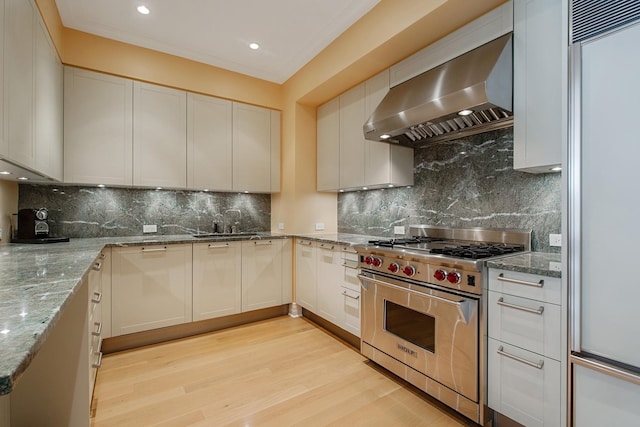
{"points": [[410, 325]]}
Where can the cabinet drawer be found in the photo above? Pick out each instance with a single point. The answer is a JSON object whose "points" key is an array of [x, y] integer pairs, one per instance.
{"points": [[351, 310], [524, 386], [530, 324], [350, 276], [541, 288]]}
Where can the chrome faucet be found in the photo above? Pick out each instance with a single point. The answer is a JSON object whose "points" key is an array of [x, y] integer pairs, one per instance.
{"points": [[227, 224]]}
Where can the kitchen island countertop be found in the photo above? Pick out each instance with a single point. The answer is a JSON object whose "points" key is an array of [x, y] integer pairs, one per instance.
{"points": [[37, 281], [541, 263]]}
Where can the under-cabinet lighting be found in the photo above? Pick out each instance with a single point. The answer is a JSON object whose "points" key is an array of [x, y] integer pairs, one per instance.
{"points": [[246, 192], [390, 185], [556, 169], [101, 185], [385, 136], [465, 112], [144, 10], [365, 188], [342, 191], [206, 190], [158, 188]]}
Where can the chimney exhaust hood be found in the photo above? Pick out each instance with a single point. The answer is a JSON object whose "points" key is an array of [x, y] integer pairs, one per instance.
{"points": [[464, 96]]}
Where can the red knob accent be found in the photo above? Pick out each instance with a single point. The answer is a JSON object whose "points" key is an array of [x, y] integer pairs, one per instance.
{"points": [[393, 267], [454, 277], [377, 262], [440, 275], [368, 260], [409, 270]]}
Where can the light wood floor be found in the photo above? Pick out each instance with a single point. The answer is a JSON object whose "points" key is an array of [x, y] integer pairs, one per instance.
{"points": [[278, 372]]}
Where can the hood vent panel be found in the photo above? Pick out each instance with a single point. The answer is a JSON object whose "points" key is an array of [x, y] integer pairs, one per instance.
{"points": [[426, 108]]}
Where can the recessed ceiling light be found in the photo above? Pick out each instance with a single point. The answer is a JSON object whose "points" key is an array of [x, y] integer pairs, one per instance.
{"points": [[23, 178], [465, 112], [143, 9], [254, 46], [5, 173]]}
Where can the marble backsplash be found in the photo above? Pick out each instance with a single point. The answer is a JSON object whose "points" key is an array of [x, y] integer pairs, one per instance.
{"points": [[114, 212], [468, 182]]}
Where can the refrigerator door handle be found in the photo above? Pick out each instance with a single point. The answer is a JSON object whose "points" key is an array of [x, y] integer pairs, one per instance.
{"points": [[606, 369]]}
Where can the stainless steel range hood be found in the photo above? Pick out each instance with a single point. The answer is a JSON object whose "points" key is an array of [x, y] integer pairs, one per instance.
{"points": [[426, 108]]}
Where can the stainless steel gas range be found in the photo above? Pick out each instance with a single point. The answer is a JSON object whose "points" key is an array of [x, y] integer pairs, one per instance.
{"points": [[423, 309]]}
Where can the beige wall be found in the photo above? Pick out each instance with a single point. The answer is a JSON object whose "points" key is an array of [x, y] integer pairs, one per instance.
{"points": [[391, 31], [8, 206]]}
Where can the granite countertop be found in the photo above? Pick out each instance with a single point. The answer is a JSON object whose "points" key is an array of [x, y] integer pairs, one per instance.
{"points": [[37, 281], [542, 263]]}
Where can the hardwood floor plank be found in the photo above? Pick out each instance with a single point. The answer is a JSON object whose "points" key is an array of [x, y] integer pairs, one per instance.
{"points": [[277, 372]]}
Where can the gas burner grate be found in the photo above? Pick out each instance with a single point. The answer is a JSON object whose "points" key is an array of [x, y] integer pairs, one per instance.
{"points": [[389, 243], [478, 251]]}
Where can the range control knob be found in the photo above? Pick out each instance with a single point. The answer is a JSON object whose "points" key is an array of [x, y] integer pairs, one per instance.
{"points": [[393, 267], [440, 275], [377, 262], [368, 260], [454, 277], [409, 270]]}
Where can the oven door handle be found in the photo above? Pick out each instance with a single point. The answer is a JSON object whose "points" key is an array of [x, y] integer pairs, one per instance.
{"points": [[465, 306]]}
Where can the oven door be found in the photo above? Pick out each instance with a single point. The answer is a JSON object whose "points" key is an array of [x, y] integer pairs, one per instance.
{"points": [[431, 331]]}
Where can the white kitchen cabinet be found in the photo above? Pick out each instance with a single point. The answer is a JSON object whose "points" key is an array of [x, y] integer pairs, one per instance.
{"points": [[345, 160], [98, 128], [217, 279], [151, 287], [48, 106], [328, 146], [19, 50], [159, 136], [329, 290], [262, 274], [256, 149], [526, 335], [306, 274], [209, 143], [4, 143], [540, 40]]}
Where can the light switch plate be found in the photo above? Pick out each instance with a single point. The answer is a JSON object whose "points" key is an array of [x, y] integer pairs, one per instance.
{"points": [[555, 239], [149, 228], [319, 226], [398, 229]]}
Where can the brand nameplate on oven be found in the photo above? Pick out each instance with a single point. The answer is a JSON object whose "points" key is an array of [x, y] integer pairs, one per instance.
{"points": [[407, 350]]}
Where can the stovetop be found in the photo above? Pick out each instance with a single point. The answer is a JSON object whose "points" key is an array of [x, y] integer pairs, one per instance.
{"points": [[452, 248]]}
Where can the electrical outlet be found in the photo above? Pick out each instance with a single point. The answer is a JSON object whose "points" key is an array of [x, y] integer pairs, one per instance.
{"points": [[555, 239], [398, 229], [555, 266], [281, 226], [319, 226], [146, 228]]}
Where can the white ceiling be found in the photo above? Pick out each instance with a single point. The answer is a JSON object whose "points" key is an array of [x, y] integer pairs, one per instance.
{"points": [[217, 32]]}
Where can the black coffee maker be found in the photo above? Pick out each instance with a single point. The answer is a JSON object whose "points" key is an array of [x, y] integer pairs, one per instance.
{"points": [[33, 227]]}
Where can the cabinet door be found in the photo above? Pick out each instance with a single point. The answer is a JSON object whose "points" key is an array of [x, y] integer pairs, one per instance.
{"points": [[48, 106], [377, 154], [209, 143], [275, 151], [217, 281], [540, 42], [151, 287], [306, 274], [352, 140], [4, 143], [330, 270], [19, 60], [527, 394], [261, 274], [328, 146], [251, 148], [350, 305], [159, 136], [98, 128]]}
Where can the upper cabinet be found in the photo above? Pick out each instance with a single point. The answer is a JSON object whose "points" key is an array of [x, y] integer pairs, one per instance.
{"points": [[345, 159], [540, 37], [98, 128], [209, 143], [32, 93], [124, 132], [256, 149], [159, 136]]}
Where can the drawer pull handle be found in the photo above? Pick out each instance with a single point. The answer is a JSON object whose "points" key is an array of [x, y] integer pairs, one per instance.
{"points": [[521, 308], [97, 266], [99, 362], [97, 297], [538, 365], [98, 330], [537, 284], [354, 267], [224, 245], [264, 243], [357, 297], [305, 242], [103, 256], [329, 248], [162, 249]]}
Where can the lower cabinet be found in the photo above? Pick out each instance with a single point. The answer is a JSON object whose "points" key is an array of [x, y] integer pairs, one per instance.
{"points": [[151, 287], [95, 320], [262, 274], [217, 279], [329, 292], [306, 274]]}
